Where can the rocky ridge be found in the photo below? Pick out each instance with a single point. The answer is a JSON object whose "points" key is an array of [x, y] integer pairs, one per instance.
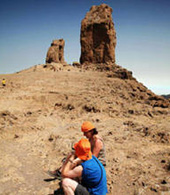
{"points": [[40, 120]]}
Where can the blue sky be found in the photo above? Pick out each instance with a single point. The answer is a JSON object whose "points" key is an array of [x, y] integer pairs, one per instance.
{"points": [[27, 28]]}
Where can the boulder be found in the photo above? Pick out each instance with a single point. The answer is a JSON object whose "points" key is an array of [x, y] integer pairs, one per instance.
{"points": [[76, 64], [56, 52], [119, 72], [98, 36]]}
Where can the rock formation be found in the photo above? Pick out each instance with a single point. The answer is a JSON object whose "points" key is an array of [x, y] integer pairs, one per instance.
{"points": [[56, 52], [98, 36]]}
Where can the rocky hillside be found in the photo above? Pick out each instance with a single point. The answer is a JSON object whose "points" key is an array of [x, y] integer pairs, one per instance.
{"points": [[42, 109], [166, 96]]}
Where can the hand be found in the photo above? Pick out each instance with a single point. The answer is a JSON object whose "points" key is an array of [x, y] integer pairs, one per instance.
{"points": [[69, 155], [77, 161]]}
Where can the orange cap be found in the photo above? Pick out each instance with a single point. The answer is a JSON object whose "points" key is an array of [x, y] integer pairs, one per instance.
{"points": [[83, 149], [87, 126]]}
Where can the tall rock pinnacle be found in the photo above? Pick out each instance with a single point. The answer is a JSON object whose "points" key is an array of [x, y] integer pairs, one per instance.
{"points": [[56, 52], [98, 36]]}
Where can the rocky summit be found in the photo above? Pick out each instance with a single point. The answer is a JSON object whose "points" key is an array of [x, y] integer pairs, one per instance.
{"points": [[40, 118], [43, 107]]}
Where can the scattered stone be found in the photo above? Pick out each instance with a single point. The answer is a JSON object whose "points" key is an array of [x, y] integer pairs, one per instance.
{"points": [[131, 111], [163, 182], [29, 113], [58, 104], [164, 188], [76, 64], [129, 123], [122, 73], [90, 108], [164, 137], [16, 136], [50, 139], [153, 189], [69, 107], [119, 72], [110, 133], [149, 113], [168, 166]]}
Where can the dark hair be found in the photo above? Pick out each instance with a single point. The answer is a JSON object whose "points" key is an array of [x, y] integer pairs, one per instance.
{"points": [[95, 132]]}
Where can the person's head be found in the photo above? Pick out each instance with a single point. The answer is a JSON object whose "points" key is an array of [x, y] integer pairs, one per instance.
{"points": [[83, 149], [88, 129]]}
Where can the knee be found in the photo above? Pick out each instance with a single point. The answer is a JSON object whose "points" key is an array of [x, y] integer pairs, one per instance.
{"points": [[65, 182], [69, 185]]}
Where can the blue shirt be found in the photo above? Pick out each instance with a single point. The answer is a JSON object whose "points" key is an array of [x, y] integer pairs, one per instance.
{"points": [[94, 177]]}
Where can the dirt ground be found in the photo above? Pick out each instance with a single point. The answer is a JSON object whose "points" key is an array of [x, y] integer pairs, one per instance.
{"points": [[41, 112]]}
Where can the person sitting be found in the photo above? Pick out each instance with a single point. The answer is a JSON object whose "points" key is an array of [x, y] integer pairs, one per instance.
{"points": [[97, 145], [85, 165]]}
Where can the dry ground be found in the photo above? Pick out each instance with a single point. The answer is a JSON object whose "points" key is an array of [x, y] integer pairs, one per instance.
{"points": [[41, 112]]}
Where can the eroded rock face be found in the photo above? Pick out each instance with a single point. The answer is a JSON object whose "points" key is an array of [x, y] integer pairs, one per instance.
{"points": [[98, 36], [56, 52]]}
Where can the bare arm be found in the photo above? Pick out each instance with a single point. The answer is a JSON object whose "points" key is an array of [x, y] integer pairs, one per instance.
{"points": [[98, 145], [76, 172], [69, 170]]}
